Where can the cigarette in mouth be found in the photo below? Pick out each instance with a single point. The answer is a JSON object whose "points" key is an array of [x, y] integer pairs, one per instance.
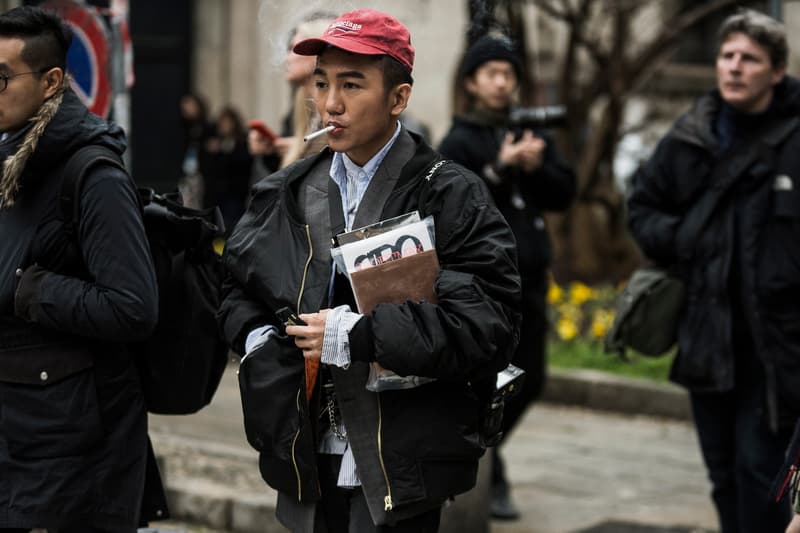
{"points": [[317, 133]]}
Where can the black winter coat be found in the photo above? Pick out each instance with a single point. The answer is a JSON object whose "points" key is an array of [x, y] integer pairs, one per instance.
{"points": [[474, 141], [425, 439], [73, 427], [745, 262]]}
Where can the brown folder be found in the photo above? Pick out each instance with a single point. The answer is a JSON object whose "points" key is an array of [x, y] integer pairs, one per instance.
{"points": [[410, 278]]}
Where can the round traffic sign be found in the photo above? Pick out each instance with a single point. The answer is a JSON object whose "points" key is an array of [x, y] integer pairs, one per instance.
{"points": [[88, 57]]}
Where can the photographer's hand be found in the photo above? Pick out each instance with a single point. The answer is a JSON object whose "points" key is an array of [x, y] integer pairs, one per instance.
{"points": [[532, 150], [509, 153], [527, 153]]}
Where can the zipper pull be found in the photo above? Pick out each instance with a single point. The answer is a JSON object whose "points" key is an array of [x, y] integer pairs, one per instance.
{"points": [[387, 503]]}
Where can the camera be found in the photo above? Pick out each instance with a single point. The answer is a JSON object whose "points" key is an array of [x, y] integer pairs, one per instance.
{"points": [[529, 118]]}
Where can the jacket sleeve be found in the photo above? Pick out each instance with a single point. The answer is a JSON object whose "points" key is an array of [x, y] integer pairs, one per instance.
{"points": [[121, 300], [239, 315], [474, 327], [652, 216]]}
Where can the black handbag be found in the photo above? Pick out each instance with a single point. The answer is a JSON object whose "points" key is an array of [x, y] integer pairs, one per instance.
{"points": [[647, 313]]}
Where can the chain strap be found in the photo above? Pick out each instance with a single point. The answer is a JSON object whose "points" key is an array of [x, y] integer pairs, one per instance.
{"points": [[337, 429]]}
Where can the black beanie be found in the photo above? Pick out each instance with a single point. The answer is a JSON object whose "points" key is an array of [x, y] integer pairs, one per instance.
{"points": [[489, 48]]}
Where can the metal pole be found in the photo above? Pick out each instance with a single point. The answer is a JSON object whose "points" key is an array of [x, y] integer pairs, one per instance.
{"points": [[775, 9]]}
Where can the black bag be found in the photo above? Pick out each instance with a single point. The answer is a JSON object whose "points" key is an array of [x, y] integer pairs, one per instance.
{"points": [[182, 363], [647, 313]]}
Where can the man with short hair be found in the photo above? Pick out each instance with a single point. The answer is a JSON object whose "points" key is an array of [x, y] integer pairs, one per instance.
{"points": [[735, 155], [353, 459], [526, 176], [73, 425]]}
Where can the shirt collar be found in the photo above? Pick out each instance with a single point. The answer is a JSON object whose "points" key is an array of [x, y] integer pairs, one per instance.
{"points": [[342, 166]]}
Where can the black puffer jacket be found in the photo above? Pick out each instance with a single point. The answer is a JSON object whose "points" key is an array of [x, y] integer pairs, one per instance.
{"points": [[73, 428], [414, 447], [474, 141], [744, 268]]}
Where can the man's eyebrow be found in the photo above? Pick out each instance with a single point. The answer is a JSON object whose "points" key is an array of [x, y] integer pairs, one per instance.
{"points": [[346, 74], [351, 74]]}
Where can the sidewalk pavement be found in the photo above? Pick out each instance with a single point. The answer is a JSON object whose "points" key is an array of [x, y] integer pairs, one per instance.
{"points": [[601, 454]]}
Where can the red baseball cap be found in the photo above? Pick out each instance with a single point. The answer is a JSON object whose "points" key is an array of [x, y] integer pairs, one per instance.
{"points": [[364, 31]]}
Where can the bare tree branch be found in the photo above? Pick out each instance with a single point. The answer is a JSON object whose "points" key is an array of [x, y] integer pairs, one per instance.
{"points": [[672, 30], [563, 15], [576, 22]]}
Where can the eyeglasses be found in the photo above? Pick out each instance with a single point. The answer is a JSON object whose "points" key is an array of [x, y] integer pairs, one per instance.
{"points": [[5, 77]]}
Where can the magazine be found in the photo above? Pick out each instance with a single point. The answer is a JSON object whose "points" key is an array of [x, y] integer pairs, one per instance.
{"points": [[392, 261]]}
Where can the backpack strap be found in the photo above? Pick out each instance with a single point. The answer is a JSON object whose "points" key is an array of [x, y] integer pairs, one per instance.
{"points": [[72, 176], [759, 155]]}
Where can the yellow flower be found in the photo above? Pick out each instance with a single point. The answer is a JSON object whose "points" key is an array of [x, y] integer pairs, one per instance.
{"points": [[566, 329], [601, 323], [554, 293], [580, 293], [570, 312]]}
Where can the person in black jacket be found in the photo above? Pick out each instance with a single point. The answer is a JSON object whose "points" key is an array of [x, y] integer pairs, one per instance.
{"points": [[526, 176], [73, 425], [738, 337], [227, 163], [342, 457]]}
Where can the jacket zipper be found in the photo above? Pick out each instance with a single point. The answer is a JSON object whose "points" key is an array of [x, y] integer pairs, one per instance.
{"points": [[305, 268], [294, 459], [300, 390], [387, 500]]}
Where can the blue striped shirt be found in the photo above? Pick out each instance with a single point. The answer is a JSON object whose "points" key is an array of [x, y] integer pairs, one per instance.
{"points": [[352, 181]]}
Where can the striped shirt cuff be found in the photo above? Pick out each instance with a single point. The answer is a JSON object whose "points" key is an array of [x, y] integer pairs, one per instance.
{"points": [[336, 341]]}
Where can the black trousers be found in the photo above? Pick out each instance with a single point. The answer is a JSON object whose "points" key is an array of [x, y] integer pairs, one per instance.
{"points": [[530, 354], [531, 357], [345, 510], [743, 457]]}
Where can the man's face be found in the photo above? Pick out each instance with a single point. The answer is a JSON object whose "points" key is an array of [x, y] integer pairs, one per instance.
{"points": [[350, 96], [745, 74], [24, 94], [298, 68], [492, 85]]}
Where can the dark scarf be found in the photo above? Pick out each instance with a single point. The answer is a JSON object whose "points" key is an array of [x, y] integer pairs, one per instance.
{"points": [[733, 127]]}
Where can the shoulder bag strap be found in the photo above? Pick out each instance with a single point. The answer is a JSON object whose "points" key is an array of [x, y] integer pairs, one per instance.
{"points": [[727, 171], [335, 211]]}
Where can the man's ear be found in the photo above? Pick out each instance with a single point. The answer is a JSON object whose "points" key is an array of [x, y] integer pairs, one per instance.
{"points": [[399, 98], [53, 79]]}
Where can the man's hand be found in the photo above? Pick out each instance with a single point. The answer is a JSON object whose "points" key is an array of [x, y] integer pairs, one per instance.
{"points": [[527, 153], [794, 525], [309, 337]]}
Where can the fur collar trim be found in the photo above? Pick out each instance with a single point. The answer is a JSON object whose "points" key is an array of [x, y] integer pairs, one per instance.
{"points": [[14, 164]]}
